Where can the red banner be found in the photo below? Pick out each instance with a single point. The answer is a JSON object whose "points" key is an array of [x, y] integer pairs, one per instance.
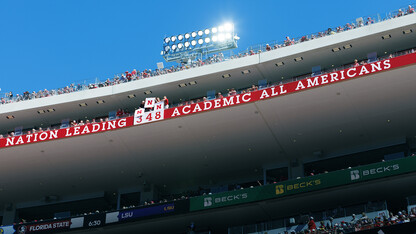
{"points": [[284, 89], [66, 132]]}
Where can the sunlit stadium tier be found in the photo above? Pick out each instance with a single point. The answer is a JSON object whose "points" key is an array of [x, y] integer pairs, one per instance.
{"points": [[195, 44], [257, 143]]}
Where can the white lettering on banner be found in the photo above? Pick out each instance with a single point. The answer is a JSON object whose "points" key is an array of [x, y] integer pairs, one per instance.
{"points": [[175, 112], [375, 66], [43, 136], [342, 74], [197, 108], [363, 70], [150, 116], [74, 131], [334, 76], [230, 198], [244, 97], [264, 94], [186, 112], [227, 101], [356, 174], [353, 74], [386, 64], [300, 85], [324, 79], [217, 103], [281, 89], [312, 83], [379, 170], [206, 107]]}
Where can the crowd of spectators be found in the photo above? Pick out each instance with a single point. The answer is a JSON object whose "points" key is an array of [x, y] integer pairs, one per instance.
{"points": [[121, 113], [358, 224], [215, 58]]}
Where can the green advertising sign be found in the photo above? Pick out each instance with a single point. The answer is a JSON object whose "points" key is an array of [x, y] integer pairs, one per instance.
{"points": [[307, 184]]}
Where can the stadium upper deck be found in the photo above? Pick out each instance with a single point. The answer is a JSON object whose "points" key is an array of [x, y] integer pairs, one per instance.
{"points": [[370, 109], [317, 52]]}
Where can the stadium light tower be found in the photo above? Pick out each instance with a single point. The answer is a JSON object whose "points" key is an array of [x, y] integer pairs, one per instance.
{"points": [[188, 46]]}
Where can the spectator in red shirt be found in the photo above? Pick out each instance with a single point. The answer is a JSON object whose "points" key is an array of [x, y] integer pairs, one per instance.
{"points": [[410, 10], [128, 76], [165, 102], [268, 48], [311, 225], [119, 113]]}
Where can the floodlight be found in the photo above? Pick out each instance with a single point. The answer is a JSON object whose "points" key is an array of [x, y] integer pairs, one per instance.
{"points": [[189, 45], [221, 37], [228, 27]]}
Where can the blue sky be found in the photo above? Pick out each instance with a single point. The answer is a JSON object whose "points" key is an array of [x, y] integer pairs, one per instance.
{"points": [[52, 43]]}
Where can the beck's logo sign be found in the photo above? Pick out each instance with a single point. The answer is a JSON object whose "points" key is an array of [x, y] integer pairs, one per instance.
{"points": [[280, 189], [209, 201], [357, 174]]}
